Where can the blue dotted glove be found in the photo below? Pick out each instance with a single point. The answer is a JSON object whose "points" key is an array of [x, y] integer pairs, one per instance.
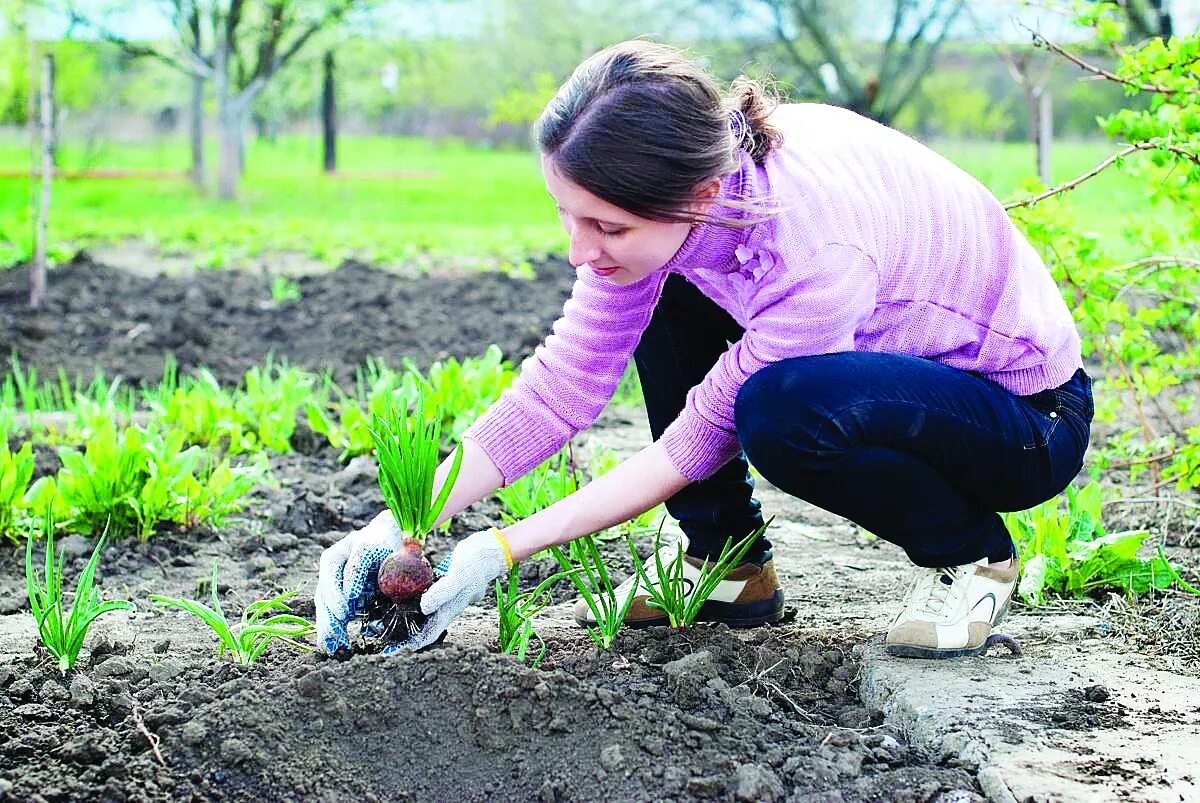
{"points": [[478, 559], [349, 578]]}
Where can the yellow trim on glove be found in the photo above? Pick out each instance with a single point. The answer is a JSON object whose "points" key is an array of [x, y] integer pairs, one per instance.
{"points": [[507, 551]]}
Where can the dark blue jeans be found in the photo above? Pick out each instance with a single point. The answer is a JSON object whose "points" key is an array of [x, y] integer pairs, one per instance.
{"points": [[918, 453]]}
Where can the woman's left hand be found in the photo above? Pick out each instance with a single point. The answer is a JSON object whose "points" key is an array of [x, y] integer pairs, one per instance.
{"points": [[476, 561]]}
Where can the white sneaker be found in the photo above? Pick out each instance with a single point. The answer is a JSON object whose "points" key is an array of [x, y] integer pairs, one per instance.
{"points": [[951, 612], [748, 596]]}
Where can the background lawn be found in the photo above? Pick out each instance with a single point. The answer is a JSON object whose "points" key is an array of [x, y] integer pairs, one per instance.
{"points": [[403, 199]]}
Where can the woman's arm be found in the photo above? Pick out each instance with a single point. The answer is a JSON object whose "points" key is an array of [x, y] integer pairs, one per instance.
{"points": [[634, 486], [477, 477]]}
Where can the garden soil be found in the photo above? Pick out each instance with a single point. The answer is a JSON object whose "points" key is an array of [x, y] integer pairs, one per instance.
{"points": [[151, 713]]}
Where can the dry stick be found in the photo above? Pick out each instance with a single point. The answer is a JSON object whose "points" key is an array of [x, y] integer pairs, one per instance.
{"points": [[150, 737]]}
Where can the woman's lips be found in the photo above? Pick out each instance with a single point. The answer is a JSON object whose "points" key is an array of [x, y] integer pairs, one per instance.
{"points": [[606, 271]]}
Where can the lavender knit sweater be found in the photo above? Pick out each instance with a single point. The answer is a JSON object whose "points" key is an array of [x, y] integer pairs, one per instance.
{"points": [[881, 245]]}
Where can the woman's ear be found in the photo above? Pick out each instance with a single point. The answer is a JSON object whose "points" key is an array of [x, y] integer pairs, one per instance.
{"points": [[706, 194]]}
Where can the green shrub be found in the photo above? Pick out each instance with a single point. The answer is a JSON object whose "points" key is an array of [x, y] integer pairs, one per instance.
{"points": [[1067, 553]]}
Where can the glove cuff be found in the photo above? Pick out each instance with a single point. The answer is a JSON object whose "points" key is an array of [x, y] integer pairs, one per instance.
{"points": [[494, 530]]}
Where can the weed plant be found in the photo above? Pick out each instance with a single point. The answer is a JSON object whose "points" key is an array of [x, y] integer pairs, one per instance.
{"points": [[587, 572], [62, 631], [1066, 552], [263, 623], [681, 598]]}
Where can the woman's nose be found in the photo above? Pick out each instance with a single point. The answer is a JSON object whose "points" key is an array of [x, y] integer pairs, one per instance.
{"points": [[583, 249]]}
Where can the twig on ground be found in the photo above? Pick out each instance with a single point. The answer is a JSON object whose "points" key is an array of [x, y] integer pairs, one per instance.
{"points": [[150, 737]]}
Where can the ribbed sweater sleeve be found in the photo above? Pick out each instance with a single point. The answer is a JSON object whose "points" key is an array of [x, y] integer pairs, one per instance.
{"points": [[563, 386], [816, 310]]}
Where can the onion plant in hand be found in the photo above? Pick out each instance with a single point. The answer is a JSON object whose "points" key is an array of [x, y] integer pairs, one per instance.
{"points": [[680, 599], [62, 632], [407, 448]]}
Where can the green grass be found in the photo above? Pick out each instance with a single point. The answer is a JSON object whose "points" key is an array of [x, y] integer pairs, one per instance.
{"points": [[441, 201], [451, 201]]}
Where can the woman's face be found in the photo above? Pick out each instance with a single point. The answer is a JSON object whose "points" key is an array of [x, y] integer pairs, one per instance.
{"points": [[613, 243]]}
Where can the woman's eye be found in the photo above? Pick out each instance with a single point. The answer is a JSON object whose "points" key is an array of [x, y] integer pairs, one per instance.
{"points": [[612, 232]]}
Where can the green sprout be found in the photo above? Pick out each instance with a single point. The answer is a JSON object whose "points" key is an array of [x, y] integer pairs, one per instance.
{"points": [[62, 632], [248, 639], [516, 611], [680, 599], [590, 577]]}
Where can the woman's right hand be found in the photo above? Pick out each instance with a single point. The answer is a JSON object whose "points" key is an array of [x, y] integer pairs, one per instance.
{"points": [[348, 578]]}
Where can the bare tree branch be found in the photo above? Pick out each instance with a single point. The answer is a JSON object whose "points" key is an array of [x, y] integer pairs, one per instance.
{"points": [[916, 76], [1041, 41], [1109, 162]]}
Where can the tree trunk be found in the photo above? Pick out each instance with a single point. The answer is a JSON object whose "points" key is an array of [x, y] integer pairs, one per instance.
{"points": [[1045, 133], [197, 121], [329, 115], [229, 122], [37, 274]]}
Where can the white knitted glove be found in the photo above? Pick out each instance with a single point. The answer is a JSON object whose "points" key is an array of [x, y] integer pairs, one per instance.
{"points": [[349, 578], [476, 561]]}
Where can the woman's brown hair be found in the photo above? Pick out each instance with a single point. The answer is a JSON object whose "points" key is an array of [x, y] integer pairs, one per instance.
{"points": [[641, 126]]}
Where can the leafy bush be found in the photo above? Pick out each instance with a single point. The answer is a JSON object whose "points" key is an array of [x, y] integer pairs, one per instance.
{"points": [[1067, 553], [1138, 317]]}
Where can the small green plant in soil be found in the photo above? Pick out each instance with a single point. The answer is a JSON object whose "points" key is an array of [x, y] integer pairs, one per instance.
{"points": [[681, 599], [62, 632], [273, 394], [262, 624], [516, 610], [1066, 552], [461, 390], [205, 412], [587, 572], [129, 481], [16, 469], [407, 449], [284, 290]]}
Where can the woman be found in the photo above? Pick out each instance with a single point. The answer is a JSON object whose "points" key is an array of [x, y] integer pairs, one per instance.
{"points": [[803, 289]]}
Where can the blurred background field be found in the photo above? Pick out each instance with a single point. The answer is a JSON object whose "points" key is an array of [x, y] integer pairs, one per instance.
{"points": [[402, 198], [432, 102]]}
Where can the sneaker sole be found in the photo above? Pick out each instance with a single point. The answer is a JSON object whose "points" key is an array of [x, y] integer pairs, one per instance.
{"points": [[936, 653], [746, 614]]}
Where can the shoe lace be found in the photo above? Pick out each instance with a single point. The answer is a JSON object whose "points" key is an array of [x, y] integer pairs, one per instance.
{"points": [[933, 590]]}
